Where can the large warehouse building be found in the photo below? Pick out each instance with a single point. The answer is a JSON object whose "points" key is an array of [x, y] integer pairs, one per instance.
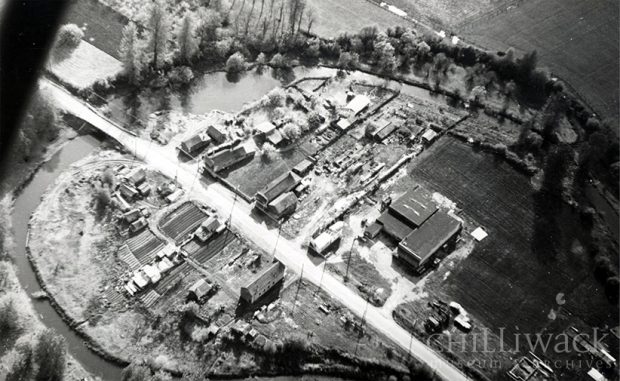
{"points": [[419, 227]]}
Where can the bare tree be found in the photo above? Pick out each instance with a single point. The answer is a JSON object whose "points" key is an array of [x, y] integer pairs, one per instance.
{"points": [[249, 17]]}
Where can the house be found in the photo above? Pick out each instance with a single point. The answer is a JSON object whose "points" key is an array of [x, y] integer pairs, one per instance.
{"points": [[265, 128], [124, 205], [128, 191], [195, 144], [152, 274], [199, 291], [132, 215], [167, 189], [420, 246], [283, 205], [275, 137], [206, 230], [429, 136], [168, 251], [174, 196], [373, 230], [358, 104], [595, 375], [144, 189], [263, 282], [385, 131], [343, 124], [228, 157], [164, 265], [282, 184], [137, 176], [138, 225], [324, 243], [139, 279], [302, 168], [374, 126], [217, 133]]}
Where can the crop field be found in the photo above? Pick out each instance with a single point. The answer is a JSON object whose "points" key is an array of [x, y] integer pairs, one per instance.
{"points": [[578, 40], [144, 246], [103, 25], [512, 278], [201, 253], [183, 220]]}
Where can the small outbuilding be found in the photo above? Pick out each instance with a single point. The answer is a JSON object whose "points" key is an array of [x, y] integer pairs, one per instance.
{"points": [[200, 291], [303, 167], [138, 225], [195, 144], [358, 104]]}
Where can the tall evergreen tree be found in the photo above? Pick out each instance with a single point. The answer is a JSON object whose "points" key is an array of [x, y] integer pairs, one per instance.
{"points": [[186, 39], [158, 33], [130, 54]]}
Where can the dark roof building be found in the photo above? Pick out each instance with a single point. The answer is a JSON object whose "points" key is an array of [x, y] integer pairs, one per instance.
{"points": [[393, 226], [127, 191], [263, 282], [414, 207], [194, 144], [227, 157], [421, 244], [283, 205], [200, 290], [217, 133], [137, 176], [303, 167], [284, 183]]}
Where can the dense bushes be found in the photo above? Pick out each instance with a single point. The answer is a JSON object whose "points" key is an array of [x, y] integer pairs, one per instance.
{"points": [[67, 40], [41, 360], [9, 319]]}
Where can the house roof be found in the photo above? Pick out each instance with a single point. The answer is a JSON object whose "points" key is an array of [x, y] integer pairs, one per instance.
{"points": [[303, 167], [200, 288], [196, 142], [225, 158], [386, 131], [429, 135], [284, 183], [265, 127], [358, 103], [274, 271], [428, 238], [275, 137], [323, 241], [379, 124], [137, 175], [414, 207], [283, 202], [343, 123]]}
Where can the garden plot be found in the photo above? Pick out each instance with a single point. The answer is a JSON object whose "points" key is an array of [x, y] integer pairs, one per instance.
{"points": [[203, 252], [182, 221], [145, 246]]}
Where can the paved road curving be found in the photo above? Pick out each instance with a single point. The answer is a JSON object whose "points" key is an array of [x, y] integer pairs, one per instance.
{"points": [[165, 160]]}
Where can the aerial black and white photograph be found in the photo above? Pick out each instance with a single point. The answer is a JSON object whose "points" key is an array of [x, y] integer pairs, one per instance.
{"points": [[309, 190]]}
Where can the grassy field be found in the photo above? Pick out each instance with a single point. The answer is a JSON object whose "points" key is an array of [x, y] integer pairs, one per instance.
{"points": [[508, 269], [104, 26], [85, 66], [577, 40], [335, 17]]}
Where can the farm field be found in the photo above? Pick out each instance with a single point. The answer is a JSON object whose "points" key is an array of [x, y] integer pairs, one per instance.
{"points": [[335, 17], [103, 26], [524, 278], [577, 40], [512, 278], [85, 66]]}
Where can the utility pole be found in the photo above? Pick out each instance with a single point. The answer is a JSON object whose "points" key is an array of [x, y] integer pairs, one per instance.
{"points": [[277, 239], [362, 327], [301, 276], [410, 342], [230, 216], [321, 280], [346, 276]]}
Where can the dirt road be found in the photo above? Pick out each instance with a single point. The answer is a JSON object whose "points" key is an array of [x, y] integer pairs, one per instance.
{"points": [[165, 160]]}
